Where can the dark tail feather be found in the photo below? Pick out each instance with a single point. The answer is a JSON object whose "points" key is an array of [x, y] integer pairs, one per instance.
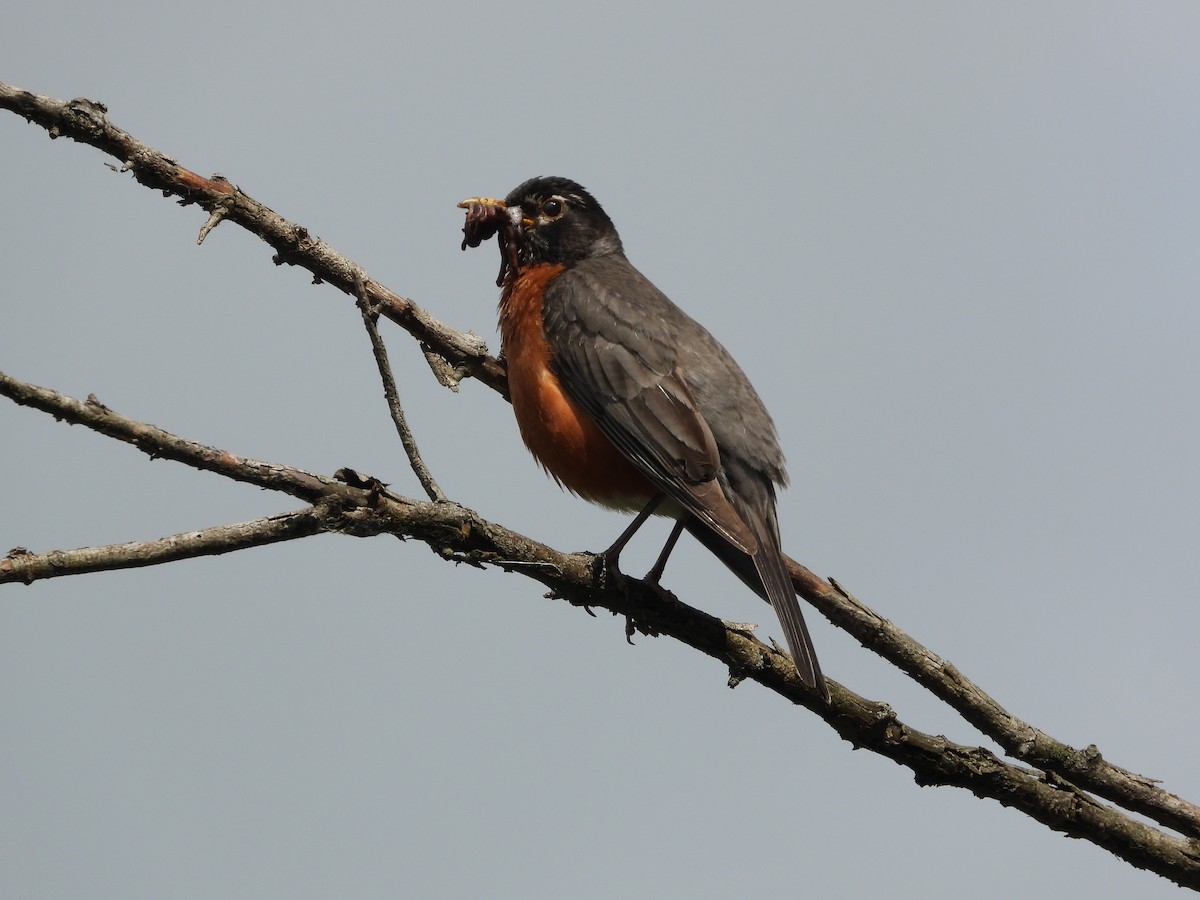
{"points": [[766, 574]]}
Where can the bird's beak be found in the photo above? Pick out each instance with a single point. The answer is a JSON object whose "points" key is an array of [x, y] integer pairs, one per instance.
{"points": [[515, 215], [482, 201]]}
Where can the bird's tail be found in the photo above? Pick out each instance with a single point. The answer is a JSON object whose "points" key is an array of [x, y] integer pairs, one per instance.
{"points": [[766, 574]]}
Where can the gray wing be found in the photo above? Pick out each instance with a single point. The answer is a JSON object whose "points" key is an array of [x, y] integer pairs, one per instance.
{"points": [[614, 340]]}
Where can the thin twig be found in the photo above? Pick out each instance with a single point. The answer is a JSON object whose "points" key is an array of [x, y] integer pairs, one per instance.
{"points": [[370, 317]]}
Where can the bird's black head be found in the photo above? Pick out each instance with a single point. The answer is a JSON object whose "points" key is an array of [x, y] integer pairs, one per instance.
{"points": [[561, 221]]}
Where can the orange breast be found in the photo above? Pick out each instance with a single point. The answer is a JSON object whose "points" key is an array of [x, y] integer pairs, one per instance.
{"points": [[558, 432]]}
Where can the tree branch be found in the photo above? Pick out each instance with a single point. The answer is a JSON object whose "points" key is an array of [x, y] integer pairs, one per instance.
{"points": [[158, 443], [364, 508], [1086, 768], [26, 567], [370, 316], [453, 355]]}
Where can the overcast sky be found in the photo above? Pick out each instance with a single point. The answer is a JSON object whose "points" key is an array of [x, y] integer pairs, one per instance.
{"points": [[955, 247]]}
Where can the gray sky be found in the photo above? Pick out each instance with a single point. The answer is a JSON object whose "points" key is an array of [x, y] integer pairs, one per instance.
{"points": [[954, 245]]}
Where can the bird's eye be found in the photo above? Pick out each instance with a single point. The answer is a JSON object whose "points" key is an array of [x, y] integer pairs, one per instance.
{"points": [[552, 208]]}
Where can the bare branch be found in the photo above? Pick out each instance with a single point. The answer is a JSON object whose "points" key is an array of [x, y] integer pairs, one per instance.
{"points": [[23, 566], [158, 443], [87, 122], [370, 316], [1086, 768], [461, 535]]}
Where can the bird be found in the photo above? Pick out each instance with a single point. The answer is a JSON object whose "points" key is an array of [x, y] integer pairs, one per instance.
{"points": [[627, 401]]}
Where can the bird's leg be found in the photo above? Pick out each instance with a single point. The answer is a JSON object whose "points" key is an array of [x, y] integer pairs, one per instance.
{"points": [[651, 581], [655, 573], [609, 560], [611, 557]]}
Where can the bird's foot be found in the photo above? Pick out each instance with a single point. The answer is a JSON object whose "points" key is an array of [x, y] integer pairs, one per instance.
{"points": [[606, 572]]}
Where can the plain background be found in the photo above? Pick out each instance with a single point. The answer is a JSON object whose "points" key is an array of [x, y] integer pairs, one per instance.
{"points": [[955, 247]]}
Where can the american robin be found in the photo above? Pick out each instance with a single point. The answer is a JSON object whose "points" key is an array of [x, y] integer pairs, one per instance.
{"points": [[629, 402]]}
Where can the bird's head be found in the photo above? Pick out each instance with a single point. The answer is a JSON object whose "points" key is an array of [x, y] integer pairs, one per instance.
{"points": [[544, 220]]}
